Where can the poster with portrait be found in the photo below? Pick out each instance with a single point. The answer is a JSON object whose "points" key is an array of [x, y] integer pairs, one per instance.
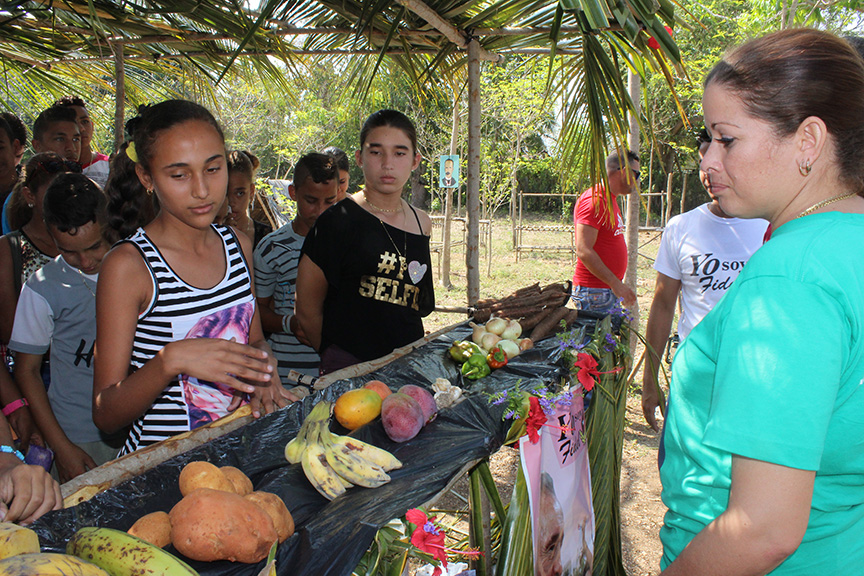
{"points": [[448, 171], [559, 491]]}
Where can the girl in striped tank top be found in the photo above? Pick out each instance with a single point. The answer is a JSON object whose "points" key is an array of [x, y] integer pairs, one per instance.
{"points": [[179, 340]]}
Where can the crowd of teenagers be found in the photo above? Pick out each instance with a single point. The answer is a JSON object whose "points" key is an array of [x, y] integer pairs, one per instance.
{"points": [[762, 458], [152, 305]]}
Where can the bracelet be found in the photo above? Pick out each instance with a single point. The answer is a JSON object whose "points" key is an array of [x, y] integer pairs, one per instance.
{"points": [[14, 405], [11, 450], [286, 323]]}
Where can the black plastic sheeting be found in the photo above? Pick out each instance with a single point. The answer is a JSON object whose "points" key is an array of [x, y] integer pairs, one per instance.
{"points": [[332, 537]]}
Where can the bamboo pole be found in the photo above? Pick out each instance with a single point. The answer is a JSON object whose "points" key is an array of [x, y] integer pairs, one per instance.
{"points": [[448, 202], [633, 203], [119, 94], [668, 200], [472, 203]]}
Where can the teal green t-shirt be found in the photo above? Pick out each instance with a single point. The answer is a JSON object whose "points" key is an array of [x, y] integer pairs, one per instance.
{"points": [[776, 373]]}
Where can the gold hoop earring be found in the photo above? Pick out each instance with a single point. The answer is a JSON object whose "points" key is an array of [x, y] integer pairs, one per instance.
{"points": [[805, 168]]}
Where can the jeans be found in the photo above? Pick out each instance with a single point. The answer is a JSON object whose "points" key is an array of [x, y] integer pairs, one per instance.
{"points": [[600, 300]]}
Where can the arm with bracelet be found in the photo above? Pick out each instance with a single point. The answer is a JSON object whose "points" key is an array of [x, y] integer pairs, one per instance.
{"points": [[17, 412], [26, 492]]}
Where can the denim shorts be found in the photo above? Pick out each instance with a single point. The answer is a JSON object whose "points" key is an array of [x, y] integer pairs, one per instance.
{"points": [[601, 300]]}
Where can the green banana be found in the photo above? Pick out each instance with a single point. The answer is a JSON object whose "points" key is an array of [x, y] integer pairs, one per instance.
{"points": [[318, 470], [351, 467], [294, 449], [48, 564], [382, 458], [122, 554]]}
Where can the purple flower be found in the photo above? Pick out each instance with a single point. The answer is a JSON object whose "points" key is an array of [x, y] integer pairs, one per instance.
{"points": [[430, 528], [509, 415], [610, 344]]}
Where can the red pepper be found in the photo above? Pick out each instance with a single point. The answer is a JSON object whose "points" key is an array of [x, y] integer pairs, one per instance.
{"points": [[496, 358]]}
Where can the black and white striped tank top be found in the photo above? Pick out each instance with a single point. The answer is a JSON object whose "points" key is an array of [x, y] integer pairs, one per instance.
{"points": [[178, 311]]}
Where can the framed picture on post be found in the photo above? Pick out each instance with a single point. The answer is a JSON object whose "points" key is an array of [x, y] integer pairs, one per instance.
{"points": [[448, 171]]}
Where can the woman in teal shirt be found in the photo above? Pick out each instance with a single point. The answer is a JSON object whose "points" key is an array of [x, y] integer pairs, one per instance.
{"points": [[763, 448]]}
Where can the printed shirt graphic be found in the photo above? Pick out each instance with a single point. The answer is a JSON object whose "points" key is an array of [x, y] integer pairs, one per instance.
{"points": [[178, 311], [379, 278], [610, 245], [706, 253], [208, 401]]}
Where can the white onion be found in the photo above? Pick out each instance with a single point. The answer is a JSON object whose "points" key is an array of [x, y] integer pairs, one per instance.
{"points": [[489, 341], [510, 348], [477, 336], [496, 326], [512, 331]]}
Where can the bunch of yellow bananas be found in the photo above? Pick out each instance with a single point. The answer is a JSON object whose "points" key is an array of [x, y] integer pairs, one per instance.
{"points": [[334, 463]]}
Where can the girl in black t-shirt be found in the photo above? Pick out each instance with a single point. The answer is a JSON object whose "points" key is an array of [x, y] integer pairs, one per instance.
{"points": [[364, 281]]}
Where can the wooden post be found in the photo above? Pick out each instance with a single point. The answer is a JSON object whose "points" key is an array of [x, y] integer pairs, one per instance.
{"points": [[472, 203], [448, 203], [683, 194], [632, 230], [119, 94], [669, 200]]}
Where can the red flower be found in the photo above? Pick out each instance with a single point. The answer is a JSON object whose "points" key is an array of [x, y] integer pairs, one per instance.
{"points": [[536, 418], [653, 43], [427, 537], [587, 370]]}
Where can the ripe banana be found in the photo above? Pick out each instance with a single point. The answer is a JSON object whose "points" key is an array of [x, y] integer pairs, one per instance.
{"points": [[122, 554], [294, 449], [318, 470], [48, 565], [351, 467], [15, 540], [373, 454]]}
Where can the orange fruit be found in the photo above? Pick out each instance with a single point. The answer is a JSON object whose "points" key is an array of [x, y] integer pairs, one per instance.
{"points": [[382, 389], [357, 407]]}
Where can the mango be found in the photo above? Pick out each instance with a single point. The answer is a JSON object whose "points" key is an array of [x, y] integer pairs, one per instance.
{"points": [[424, 398], [402, 417], [357, 407]]}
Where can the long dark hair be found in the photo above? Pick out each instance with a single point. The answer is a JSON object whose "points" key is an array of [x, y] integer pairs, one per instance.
{"points": [[129, 205]]}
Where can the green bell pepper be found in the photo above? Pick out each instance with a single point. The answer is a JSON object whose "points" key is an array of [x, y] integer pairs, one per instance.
{"points": [[462, 351], [476, 367]]}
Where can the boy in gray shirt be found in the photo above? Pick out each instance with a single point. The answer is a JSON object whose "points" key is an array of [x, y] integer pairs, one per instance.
{"points": [[57, 312]]}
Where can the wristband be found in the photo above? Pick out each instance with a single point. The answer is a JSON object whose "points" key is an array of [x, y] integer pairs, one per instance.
{"points": [[286, 323], [14, 405], [11, 450]]}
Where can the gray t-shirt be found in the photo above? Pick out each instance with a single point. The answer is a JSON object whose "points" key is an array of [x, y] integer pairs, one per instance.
{"points": [[57, 310], [276, 259]]}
